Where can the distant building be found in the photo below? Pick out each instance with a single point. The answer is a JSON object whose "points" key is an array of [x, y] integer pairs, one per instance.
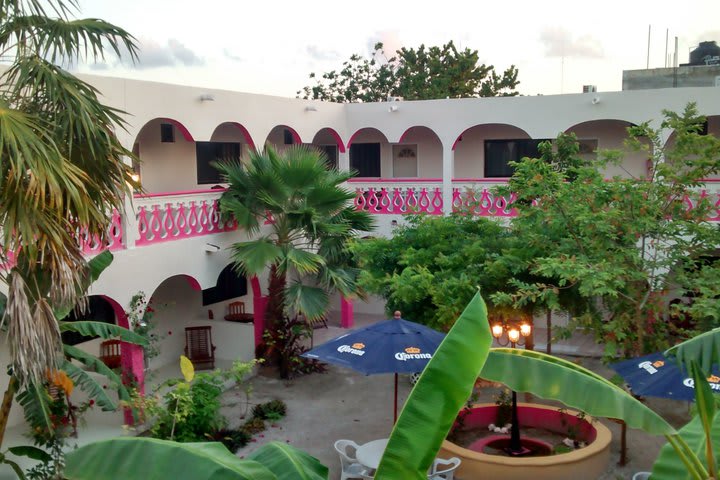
{"points": [[703, 70]]}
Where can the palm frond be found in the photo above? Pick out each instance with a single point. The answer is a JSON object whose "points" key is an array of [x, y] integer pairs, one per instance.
{"points": [[312, 302], [252, 257]]}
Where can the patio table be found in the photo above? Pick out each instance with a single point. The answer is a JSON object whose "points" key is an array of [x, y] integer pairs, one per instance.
{"points": [[370, 453]]}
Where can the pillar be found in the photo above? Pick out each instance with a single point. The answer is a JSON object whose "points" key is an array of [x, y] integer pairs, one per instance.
{"points": [[448, 172], [347, 319]]}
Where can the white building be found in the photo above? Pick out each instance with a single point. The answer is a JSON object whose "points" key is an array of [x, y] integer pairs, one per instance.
{"points": [[420, 154]]}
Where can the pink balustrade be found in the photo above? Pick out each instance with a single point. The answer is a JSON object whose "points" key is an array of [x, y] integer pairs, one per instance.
{"points": [[166, 219], [478, 199], [399, 200], [92, 245]]}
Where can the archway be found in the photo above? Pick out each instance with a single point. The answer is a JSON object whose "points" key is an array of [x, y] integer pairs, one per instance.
{"points": [[484, 151]]}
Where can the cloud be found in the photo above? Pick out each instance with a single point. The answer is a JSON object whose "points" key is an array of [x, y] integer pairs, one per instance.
{"points": [[559, 42], [317, 53], [231, 56], [152, 54]]}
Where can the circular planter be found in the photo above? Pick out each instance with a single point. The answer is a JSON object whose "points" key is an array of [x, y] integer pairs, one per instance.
{"points": [[588, 462]]}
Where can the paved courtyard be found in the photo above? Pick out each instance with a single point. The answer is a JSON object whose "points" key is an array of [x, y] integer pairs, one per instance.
{"points": [[323, 408]]}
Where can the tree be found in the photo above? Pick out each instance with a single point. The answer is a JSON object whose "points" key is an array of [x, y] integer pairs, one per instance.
{"points": [[624, 244], [304, 219], [431, 268], [415, 74], [62, 170]]}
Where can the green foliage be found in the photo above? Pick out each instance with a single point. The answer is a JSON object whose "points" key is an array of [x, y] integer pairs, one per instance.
{"points": [[272, 410], [191, 410], [618, 247], [431, 268], [289, 463], [504, 408], [141, 317], [62, 164], [309, 219], [415, 74]]}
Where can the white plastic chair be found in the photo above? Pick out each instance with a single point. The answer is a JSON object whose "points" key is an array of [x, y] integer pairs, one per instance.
{"points": [[641, 476], [351, 468], [444, 469]]}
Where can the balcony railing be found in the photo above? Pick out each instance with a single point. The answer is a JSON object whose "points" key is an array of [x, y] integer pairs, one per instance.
{"points": [[401, 196], [178, 215]]}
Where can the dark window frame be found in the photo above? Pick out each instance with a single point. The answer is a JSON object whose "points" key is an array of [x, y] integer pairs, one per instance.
{"points": [[499, 152], [366, 159], [208, 152]]}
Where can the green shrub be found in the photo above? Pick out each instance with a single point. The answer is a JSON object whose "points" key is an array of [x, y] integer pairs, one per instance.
{"points": [[272, 410]]}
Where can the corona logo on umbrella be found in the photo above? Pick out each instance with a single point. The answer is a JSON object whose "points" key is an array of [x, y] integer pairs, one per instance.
{"points": [[713, 380], [412, 353], [355, 349]]}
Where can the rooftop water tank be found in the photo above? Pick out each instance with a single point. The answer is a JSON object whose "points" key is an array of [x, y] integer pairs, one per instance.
{"points": [[707, 53]]}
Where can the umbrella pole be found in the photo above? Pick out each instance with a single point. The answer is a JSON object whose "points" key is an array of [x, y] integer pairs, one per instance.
{"points": [[396, 389]]}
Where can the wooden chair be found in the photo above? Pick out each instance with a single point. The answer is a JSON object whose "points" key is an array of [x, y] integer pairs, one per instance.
{"points": [[199, 347], [236, 313], [110, 353]]}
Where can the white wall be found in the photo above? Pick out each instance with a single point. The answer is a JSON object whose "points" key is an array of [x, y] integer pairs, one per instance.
{"points": [[166, 167], [429, 151], [610, 135]]}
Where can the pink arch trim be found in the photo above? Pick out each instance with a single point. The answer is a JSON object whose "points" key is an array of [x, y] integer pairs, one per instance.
{"points": [[245, 134], [336, 136], [626, 122], [360, 130], [194, 284], [185, 132], [402, 137], [459, 137]]}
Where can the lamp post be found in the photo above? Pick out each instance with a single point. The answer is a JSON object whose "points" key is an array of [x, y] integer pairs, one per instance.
{"points": [[513, 335]]}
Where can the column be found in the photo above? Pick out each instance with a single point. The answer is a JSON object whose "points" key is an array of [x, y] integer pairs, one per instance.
{"points": [[343, 160], [448, 172], [347, 320]]}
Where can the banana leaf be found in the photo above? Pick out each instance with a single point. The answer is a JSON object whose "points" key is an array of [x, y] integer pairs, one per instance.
{"points": [[704, 349], [94, 363], [289, 463], [577, 387], [89, 385], [153, 459], [440, 393], [669, 466], [104, 330]]}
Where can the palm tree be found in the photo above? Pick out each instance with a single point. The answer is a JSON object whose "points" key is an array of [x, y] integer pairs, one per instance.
{"points": [[62, 169], [302, 219]]}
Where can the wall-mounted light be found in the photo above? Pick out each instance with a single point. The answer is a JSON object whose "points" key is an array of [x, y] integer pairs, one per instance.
{"points": [[211, 248], [207, 97], [595, 100], [311, 108], [135, 177], [393, 108]]}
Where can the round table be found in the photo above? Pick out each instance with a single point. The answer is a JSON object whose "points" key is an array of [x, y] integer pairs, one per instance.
{"points": [[369, 454]]}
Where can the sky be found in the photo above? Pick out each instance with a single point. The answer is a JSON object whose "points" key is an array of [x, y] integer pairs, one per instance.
{"points": [[270, 47]]}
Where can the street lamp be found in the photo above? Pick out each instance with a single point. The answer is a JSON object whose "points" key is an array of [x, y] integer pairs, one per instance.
{"points": [[513, 335]]}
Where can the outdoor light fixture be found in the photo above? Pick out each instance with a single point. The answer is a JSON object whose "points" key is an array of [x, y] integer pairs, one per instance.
{"points": [[135, 177], [311, 108], [595, 100], [207, 97], [514, 336], [393, 108]]}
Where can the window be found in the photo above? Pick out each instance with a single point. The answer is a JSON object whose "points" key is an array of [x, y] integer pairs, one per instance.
{"points": [[498, 154], [229, 285], [365, 158], [405, 161], [209, 152], [167, 133], [331, 154], [288, 137]]}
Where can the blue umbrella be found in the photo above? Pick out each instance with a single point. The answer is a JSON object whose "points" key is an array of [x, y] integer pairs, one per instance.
{"points": [[656, 375], [393, 346]]}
